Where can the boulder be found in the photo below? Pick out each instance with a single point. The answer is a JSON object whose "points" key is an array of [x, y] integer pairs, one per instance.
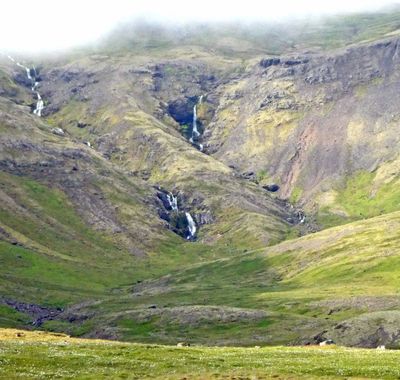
{"points": [[267, 62], [81, 124], [327, 342], [58, 131], [272, 187]]}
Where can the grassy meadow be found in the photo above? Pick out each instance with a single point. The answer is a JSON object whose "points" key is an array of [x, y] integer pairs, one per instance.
{"points": [[36, 355]]}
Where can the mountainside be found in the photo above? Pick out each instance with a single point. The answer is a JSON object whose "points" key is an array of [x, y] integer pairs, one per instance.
{"points": [[154, 188], [320, 126]]}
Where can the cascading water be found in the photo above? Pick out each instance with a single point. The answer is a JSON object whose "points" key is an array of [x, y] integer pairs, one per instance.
{"points": [[39, 105], [173, 202], [188, 228], [191, 226], [195, 131], [32, 75]]}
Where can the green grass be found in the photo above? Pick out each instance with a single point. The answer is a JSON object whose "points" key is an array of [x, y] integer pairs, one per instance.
{"points": [[296, 194], [362, 198], [49, 357], [11, 318], [63, 262], [359, 200], [287, 281], [60, 260]]}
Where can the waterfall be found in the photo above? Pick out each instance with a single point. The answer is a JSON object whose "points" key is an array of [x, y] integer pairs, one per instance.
{"points": [[27, 69], [191, 226], [195, 131], [39, 104], [173, 202], [301, 217], [180, 221]]}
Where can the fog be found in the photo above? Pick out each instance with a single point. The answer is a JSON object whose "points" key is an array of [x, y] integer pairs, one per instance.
{"points": [[53, 25]]}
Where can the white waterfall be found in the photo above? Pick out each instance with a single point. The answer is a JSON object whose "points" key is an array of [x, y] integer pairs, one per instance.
{"points": [[191, 226], [27, 69], [39, 104], [195, 131], [173, 202]]}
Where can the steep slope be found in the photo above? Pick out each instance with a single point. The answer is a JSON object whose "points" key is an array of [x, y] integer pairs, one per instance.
{"points": [[120, 111], [323, 127], [76, 224], [67, 215]]}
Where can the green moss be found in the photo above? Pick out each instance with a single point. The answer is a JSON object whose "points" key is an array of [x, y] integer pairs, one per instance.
{"points": [[296, 194], [77, 329], [262, 176], [185, 130]]}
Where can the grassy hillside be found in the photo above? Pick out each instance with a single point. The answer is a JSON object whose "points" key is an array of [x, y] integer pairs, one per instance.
{"points": [[292, 292], [33, 355], [77, 226], [79, 233]]}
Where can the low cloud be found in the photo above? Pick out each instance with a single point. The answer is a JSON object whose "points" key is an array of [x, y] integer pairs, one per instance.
{"points": [[53, 25]]}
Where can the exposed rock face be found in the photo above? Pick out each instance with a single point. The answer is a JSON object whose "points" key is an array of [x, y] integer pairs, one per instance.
{"points": [[175, 210], [134, 128], [310, 121], [182, 110], [369, 330], [267, 62]]}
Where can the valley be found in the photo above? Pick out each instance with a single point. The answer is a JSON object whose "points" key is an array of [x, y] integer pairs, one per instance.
{"points": [[158, 187]]}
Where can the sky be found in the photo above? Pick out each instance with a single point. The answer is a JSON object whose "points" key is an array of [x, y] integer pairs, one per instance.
{"points": [[47, 25]]}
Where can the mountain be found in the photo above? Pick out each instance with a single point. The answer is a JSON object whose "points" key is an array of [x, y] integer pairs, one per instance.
{"points": [[213, 183]]}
